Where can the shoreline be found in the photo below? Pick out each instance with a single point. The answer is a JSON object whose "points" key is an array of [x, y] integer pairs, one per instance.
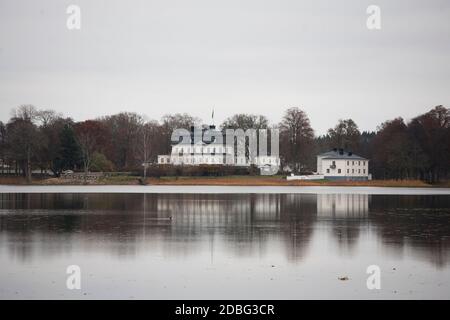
{"points": [[248, 181], [160, 189]]}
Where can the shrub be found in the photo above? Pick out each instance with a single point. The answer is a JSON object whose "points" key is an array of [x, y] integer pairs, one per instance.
{"points": [[100, 163]]}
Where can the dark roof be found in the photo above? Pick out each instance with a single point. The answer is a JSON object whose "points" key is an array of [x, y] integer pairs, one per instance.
{"points": [[201, 137], [340, 154]]}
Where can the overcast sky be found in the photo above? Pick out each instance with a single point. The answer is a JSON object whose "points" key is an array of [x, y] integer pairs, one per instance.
{"points": [[252, 56]]}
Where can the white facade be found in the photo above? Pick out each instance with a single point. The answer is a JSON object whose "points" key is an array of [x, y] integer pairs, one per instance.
{"points": [[212, 154], [342, 165]]}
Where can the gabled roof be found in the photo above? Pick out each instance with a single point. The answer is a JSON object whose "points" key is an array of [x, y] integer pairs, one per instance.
{"points": [[340, 154], [200, 137]]}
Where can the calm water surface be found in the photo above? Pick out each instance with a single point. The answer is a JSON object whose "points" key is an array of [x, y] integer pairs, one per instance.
{"points": [[231, 246]]}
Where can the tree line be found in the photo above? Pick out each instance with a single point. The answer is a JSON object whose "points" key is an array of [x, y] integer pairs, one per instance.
{"points": [[36, 140]]}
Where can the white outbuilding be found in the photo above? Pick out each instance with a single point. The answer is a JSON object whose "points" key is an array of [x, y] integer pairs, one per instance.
{"points": [[339, 164]]}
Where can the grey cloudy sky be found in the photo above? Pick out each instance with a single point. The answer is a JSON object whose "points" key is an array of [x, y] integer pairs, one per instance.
{"points": [[253, 56]]}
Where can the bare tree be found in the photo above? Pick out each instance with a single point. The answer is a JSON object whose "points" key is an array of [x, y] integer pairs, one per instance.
{"points": [[25, 112], [3, 146], [146, 142], [46, 117], [297, 138], [122, 131], [23, 137], [90, 137], [345, 135], [245, 121]]}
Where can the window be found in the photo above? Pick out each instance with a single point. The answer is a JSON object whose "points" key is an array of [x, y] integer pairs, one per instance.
{"points": [[339, 170], [359, 163], [348, 163], [328, 170], [348, 170], [353, 163], [353, 170], [359, 170], [334, 163], [364, 171]]}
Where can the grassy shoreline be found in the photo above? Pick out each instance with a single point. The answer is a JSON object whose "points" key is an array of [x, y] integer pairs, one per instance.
{"points": [[225, 181]]}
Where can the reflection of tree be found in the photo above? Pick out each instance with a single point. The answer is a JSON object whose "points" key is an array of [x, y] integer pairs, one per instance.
{"points": [[418, 222], [298, 215]]}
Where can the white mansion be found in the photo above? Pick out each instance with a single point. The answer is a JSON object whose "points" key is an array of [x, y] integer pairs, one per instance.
{"points": [[198, 152], [342, 165]]}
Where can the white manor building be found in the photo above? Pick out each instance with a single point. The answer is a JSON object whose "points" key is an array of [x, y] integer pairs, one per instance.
{"points": [[213, 153], [338, 164]]}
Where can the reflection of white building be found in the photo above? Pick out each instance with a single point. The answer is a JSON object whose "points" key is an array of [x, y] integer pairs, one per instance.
{"points": [[342, 165], [342, 205], [259, 207], [197, 152]]}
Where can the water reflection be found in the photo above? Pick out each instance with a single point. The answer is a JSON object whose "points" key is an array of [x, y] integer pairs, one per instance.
{"points": [[45, 225]]}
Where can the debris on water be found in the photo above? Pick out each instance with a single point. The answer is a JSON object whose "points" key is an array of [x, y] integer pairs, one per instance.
{"points": [[343, 278], [394, 269], [273, 266]]}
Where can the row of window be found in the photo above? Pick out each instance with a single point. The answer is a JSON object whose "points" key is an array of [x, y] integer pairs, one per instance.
{"points": [[219, 160], [353, 163], [200, 160], [201, 150], [348, 171]]}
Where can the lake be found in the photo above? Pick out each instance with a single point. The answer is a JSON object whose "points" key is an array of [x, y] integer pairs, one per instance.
{"points": [[224, 245]]}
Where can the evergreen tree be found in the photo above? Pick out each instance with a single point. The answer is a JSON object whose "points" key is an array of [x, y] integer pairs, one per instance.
{"points": [[69, 155]]}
